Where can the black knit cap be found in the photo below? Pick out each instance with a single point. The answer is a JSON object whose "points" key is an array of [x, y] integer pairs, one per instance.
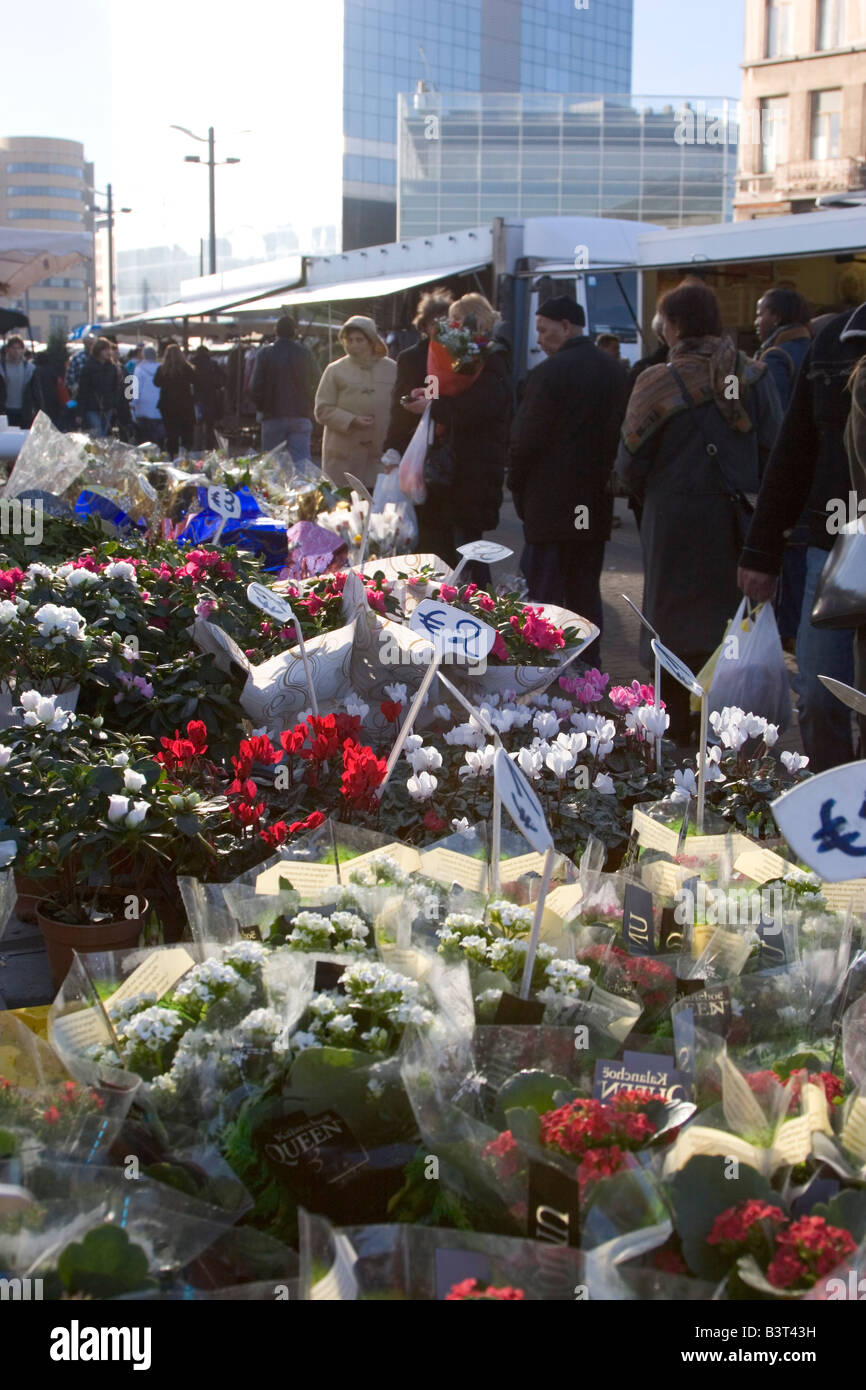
{"points": [[562, 307]]}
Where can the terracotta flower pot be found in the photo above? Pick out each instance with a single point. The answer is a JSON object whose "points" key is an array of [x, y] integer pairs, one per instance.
{"points": [[30, 892], [62, 938]]}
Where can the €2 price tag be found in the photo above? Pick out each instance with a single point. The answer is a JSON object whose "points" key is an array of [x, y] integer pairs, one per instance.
{"points": [[224, 502], [273, 604], [676, 668], [521, 802], [453, 631], [824, 821]]}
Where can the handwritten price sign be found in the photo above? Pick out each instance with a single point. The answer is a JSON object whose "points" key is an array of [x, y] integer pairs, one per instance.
{"points": [[520, 800], [452, 630], [273, 604], [224, 502], [824, 821]]}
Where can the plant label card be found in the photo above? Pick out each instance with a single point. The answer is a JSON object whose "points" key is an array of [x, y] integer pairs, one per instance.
{"points": [[451, 631], [404, 856], [306, 878], [273, 604], [638, 928], [643, 1071], [453, 1266], [553, 1211], [664, 878], [484, 552], [511, 1009], [450, 866], [157, 974], [762, 866], [521, 802], [510, 870], [78, 1029], [309, 1152], [620, 1015], [824, 821], [854, 1134], [840, 896], [678, 669], [559, 904], [653, 834], [712, 1008], [328, 975], [224, 502]]}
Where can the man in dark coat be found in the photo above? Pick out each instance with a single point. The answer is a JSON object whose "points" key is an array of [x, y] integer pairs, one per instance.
{"points": [[283, 388], [808, 468], [562, 451]]}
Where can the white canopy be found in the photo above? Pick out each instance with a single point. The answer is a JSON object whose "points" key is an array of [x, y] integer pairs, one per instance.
{"points": [[28, 256]]}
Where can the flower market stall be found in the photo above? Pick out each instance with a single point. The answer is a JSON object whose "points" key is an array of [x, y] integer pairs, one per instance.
{"points": [[327, 1024]]}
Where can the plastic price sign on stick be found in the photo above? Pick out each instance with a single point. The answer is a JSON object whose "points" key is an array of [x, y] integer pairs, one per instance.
{"points": [[227, 506], [485, 552], [854, 699], [448, 630], [279, 608], [824, 821], [657, 675], [363, 493], [525, 810], [680, 672], [496, 838]]}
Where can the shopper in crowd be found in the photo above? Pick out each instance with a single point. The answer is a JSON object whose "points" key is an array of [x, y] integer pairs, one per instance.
{"points": [[807, 471], [209, 396], [412, 374], [145, 400], [74, 369], [782, 328], [176, 381], [694, 441], [656, 358], [472, 428], [48, 383], [353, 403], [100, 390], [283, 388], [562, 453], [17, 375]]}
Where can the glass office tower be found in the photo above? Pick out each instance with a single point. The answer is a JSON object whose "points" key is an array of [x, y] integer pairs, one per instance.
{"points": [[467, 157], [477, 46]]}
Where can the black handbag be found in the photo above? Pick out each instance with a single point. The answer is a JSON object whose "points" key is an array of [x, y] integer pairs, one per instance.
{"points": [[743, 509], [840, 598], [440, 465]]}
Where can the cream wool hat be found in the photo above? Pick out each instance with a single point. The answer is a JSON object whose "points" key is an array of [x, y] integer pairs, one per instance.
{"points": [[368, 328]]}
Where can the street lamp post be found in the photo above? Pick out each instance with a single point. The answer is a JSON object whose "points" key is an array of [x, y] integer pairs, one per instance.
{"points": [[109, 214], [211, 162]]}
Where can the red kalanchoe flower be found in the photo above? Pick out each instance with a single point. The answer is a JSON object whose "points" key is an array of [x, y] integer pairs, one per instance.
{"points": [[469, 1290], [808, 1250], [51, 1115], [391, 709], [733, 1226]]}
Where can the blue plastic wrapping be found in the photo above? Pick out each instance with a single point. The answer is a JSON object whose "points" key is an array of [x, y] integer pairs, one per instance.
{"points": [[252, 530]]}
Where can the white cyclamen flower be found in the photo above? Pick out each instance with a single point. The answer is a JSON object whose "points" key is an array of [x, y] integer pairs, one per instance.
{"points": [[479, 762], [545, 723], [604, 784], [396, 693], [424, 759], [559, 760], [685, 786], [653, 721], [118, 807], [422, 787], [133, 781], [462, 827], [530, 761], [712, 772], [356, 706], [137, 814], [794, 761]]}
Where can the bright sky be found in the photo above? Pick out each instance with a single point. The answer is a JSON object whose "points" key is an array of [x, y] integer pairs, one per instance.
{"points": [[267, 75]]}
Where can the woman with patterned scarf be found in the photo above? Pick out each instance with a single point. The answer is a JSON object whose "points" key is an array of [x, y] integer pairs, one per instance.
{"points": [[696, 435]]}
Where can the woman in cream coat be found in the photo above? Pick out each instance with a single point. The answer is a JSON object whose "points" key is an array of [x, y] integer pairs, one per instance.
{"points": [[353, 402]]}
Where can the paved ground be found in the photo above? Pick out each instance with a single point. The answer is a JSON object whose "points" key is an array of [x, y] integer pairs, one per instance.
{"points": [[24, 974]]}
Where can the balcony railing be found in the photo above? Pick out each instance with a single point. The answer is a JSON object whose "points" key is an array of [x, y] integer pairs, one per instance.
{"points": [[821, 176]]}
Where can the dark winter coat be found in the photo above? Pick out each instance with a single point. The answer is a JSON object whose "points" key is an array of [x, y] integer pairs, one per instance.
{"points": [[209, 387], [411, 373], [690, 531], [100, 387], [475, 426], [564, 441], [808, 466], [175, 395], [284, 380]]}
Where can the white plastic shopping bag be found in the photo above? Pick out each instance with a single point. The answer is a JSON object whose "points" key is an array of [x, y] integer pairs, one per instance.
{"points": [[750, 671], [411, 474], [388, 499]]}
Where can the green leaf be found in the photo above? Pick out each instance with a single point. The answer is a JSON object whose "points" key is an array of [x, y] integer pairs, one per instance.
{"points": [[533, 1089], [700, 1192], [847, 1210], [524, 1123], [104, 1264]]}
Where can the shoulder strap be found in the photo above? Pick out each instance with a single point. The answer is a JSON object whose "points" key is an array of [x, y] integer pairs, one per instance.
{"points": [[711, 449]]}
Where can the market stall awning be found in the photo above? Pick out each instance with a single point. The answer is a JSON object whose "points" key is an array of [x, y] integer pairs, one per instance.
{"points": [[181, 309], [370, 287], [28, 256]]}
